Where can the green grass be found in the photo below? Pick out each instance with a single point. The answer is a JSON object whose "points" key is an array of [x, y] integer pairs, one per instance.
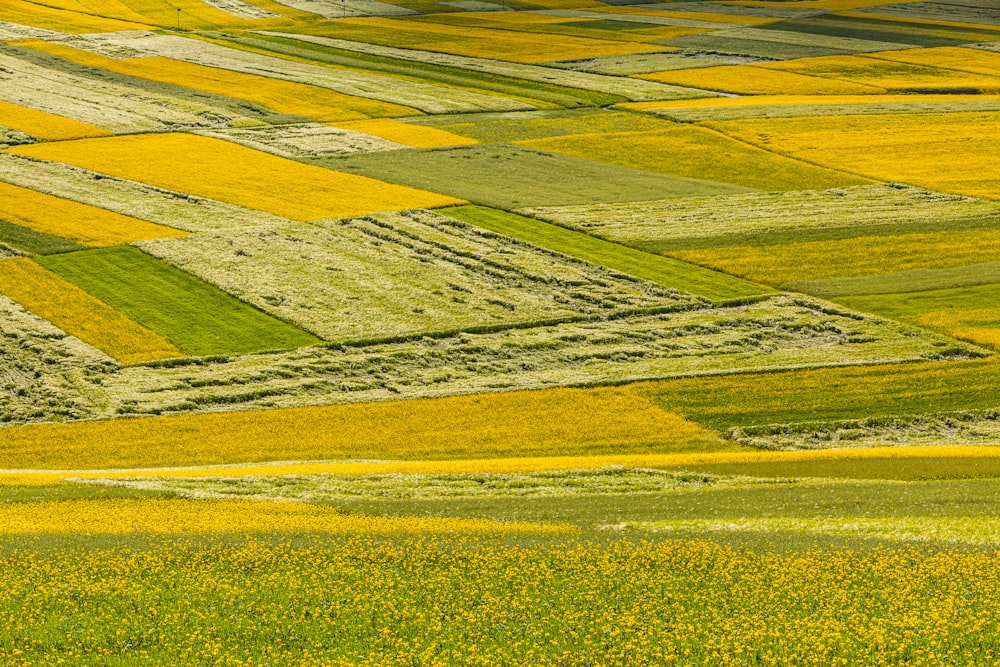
{"points": [[922, 280], [524, 125], [915, 34], [196, 317], [661, 270], [749, 47], [505, 176], [976, 297], [545, 94], [30, 242], [832, 394]]}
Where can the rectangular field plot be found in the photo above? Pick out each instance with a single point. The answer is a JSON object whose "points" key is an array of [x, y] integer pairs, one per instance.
{"points": [[196, 317], [967, 313], [695, 152], [203, 166], [405, 274], [782, 264], [905, 75], [557, 422], [935, 151], [763, 219], [286, 97], [68, 219], [476, 42], [80, 314], [872, 29], [757, 80], [24, 241], [405, 91], [46, 126], [793, 106], [506, 176], [780, 332], [108, 101], [661, 270]]}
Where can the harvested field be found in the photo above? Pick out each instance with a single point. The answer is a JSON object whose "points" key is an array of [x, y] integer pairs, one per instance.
{"points": [[662, 271], [630, 89], [434, 274], [645, 63], [108, 105], [335, 9], [407, 134], [695, 152], [45, 126], [284, 97], [967, 13], [778, 333], [309, 140], [199, 165], [46, 375], [194, 316], [934, 151], [505, 176], [87, 225], [764, 219], [81, 315], [426, 97]]}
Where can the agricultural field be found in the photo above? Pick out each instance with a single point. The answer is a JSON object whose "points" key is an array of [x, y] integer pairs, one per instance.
{"points": [[514, 332]]}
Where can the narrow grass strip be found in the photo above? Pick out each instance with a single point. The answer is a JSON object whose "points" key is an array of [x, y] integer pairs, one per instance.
{"points": [[80, 314], [664, 271]]}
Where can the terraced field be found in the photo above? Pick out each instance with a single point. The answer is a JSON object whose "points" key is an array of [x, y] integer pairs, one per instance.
{"points": [[529, 332]]}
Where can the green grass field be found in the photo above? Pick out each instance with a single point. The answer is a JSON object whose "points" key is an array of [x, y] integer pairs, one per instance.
{"points": [[196, 317], [662, 270], [506, 176], [29, 242]]}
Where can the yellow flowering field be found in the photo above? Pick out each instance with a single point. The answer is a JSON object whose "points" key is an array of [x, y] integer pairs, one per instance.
{"points": [[891, 73], [758, 80], [68, 219], [408, 134], [779, 100], [79, 314], [46, 126], [712, 17], [517, 424], [936, 151], [981, 325], [519, 47], [841, 258], [186, 517], [955, 58], [321, 104], [194, 14], [697, 152], [48, 17], [203, 166]]}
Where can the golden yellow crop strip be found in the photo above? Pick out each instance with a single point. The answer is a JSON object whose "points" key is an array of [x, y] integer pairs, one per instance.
{"points": [[46, 126], [522, 47], [287, 97], [407, 134], [80, 314], [976, 61], [41, 15], [204, 166], [190, 517], [519, 424], [754, 80], [510, 465], [69, 219], [795, 100], [638, 10]]}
